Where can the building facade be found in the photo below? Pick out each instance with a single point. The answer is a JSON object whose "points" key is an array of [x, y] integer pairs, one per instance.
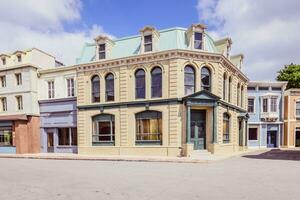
{"points": [[265, 108], [19, 111], [58, 110], [292, 118], [169, 92]]}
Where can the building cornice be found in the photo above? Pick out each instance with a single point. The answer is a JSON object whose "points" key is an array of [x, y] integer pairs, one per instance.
{"points": [[161, 56]]}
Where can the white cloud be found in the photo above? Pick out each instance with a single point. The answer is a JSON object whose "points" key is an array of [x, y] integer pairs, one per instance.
{"points": [[39, 23], [267, 32]]}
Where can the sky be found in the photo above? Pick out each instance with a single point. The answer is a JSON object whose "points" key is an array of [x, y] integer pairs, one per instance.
{"points": [[265, 31]]}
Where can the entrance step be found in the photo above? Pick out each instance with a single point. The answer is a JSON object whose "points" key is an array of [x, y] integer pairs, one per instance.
{"points": [[200, 153]]}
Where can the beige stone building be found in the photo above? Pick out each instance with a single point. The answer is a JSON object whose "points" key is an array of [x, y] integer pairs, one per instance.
{"points": [[292, 118], [168, 92]]}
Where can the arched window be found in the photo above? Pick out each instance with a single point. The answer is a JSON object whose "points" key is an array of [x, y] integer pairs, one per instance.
{"points": [[109, 87], [238, 95], [156, 82], [148, 127], [242, 96], [140, 89], [229, 89], [95, 89], [189, 80], [104, 129], [205, 79], [224, 86], [226, 128]]}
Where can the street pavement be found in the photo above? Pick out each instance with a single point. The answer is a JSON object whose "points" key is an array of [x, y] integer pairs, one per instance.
{"points": [[256, 176]]}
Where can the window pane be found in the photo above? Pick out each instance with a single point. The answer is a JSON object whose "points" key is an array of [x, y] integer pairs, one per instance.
{"points": [[63, 136], [74, 136], [148, 39], [96, 89], [226, 134], [6, 138], [103, 128], [205, 78], [140, 84], [156, 82], [109, 87], [189, 80], [252, 133]]}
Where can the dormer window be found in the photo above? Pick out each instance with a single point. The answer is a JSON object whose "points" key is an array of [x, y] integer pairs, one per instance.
{"points": [[101, 51], [198, 40], [3, 61], [148, 43], [19, 57]]}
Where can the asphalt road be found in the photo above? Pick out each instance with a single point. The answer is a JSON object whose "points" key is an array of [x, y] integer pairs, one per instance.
{"points": [[237, 178]]}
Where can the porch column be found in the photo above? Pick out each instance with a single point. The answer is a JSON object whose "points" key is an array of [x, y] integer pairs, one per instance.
{"points": [[188, 123], [215, 137]]}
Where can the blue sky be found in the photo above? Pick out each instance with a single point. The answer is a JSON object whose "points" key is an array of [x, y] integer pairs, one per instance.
{"points": [[266, 32], [125, 17]]}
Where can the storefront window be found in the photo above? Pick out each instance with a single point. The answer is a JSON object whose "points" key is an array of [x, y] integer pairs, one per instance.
{"points": [[6, 138], [67, 136], [104, 129]]}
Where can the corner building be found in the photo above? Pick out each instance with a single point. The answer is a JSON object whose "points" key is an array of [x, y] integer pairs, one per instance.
{"points": [[170, 92]]}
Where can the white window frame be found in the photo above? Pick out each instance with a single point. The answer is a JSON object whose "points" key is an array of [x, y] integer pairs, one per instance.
{"points": [[19, 100], [102, 51], [297, 116], [250, 97], [69, 89], [148, 43], [262, 104], [276, 104], [194, 34], [18, 77], [3, 81], [50, 89], [3, 104]]}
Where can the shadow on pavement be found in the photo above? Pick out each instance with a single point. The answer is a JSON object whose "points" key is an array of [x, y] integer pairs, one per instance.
{"points": [[277, 154]]}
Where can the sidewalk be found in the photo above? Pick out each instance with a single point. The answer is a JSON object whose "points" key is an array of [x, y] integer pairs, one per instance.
{"points": [[61, 156]]}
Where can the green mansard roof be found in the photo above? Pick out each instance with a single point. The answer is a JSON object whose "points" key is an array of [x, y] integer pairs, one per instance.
{"points": [[173, 38]]}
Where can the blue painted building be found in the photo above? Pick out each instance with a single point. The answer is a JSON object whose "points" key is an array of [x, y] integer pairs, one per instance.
{"points": [[265, 108]]}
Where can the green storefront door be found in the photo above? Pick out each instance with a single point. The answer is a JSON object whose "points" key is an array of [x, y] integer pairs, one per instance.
{"points": [[198, 129]]}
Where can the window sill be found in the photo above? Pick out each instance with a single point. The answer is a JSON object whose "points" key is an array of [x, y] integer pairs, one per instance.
{"points": [[66, 146], [103, 143], [156, 143]]}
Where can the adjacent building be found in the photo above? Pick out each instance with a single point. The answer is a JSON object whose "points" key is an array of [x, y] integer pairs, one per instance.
{"points": [[265, 108], [58, 110], [292, 118], [19, 110], [166, 92]]}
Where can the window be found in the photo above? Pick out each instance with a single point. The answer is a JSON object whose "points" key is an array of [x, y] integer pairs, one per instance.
{"points": [[263, 88], [19, 78], [147, 43], [67, 136], [51, 93], [229, 89], [95, 89], [265, 105], [70, 87], [189, 80], [273, 104], [19, 57], [205, 79], [250, 88], [3, 104], [252, 133], [101, 51], [298, 108], [156, 82], [3, 61], [242, 96], [19, 102], [276, 88], [6, 138], [238, 95], [3, 81], [149, 127], [251, 105], [224, 86], [104, 129], [109, 87], [140, 89], [226, 128], [198, 40]]}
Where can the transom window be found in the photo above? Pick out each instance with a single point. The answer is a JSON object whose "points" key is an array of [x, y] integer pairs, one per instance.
{"points": [[198, 40], [70, 87], [102, 48], [226, 128], [156, 82], [298, 109], [149, 127], [103, 129], [147, 43], [250, 105], [189, 80], [18, 78], [109, 87], [51, 92], [19, 100], [95, 89], [67, 136], [140, 84], [205, 79]]}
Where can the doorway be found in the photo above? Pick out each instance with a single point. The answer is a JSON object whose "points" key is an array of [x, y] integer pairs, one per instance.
{"points": [[198, 130], [50, 142], [272, 139], [297, 139]]}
